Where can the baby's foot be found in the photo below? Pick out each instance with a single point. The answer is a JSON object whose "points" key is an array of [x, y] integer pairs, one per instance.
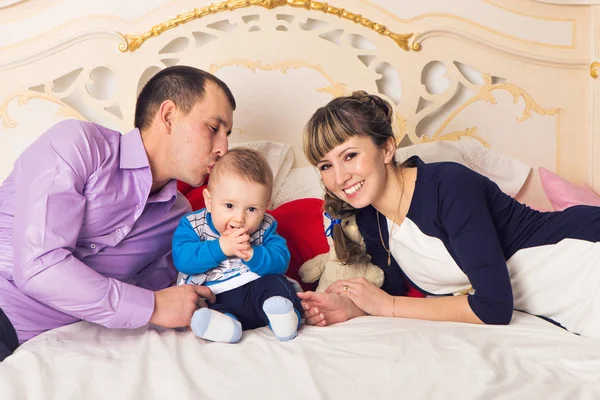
{"points": [[215, 326], [284, 319]]}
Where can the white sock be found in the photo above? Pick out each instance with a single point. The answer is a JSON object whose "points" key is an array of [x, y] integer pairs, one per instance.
{"points": [[283, 317], [215, 326]]}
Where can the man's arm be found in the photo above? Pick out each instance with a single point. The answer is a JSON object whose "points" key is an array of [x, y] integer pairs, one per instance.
{"points": [[52, 175], [157, 275]]}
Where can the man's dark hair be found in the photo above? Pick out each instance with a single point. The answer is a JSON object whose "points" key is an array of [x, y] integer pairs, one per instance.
{"points": [[182, 84]]}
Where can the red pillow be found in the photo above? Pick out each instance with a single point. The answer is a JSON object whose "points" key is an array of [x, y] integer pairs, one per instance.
{"points": [[411, 291], [196, 198], [300, 223], [184, 188]]}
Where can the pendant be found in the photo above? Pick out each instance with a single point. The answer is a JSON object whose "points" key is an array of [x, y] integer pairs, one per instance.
{"points": [[389, 259]]}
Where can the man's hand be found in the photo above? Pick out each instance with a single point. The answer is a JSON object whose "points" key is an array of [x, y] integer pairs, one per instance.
{"points": [[174, 306], [235, 242]]}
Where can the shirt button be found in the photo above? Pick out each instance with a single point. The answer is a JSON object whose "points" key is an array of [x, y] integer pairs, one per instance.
{"points": [[118, 231], [138, 206], [127, 325], [93, 245]]}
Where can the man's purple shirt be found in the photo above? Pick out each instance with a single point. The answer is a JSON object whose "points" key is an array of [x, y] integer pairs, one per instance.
{"points": [[81, 238]]}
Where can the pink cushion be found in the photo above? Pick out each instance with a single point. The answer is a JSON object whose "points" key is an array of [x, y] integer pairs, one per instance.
{"points": [[564, 194]]}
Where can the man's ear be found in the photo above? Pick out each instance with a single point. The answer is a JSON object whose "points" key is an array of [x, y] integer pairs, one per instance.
{"points": [[207, 202], [165, 115], [389, 150]]}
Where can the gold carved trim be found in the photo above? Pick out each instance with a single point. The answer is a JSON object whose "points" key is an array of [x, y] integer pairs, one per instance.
{"points": [[335, 89], [485, 94], [401, 125], [24, 96], [595, 69], [456, 135], [133, 42]]}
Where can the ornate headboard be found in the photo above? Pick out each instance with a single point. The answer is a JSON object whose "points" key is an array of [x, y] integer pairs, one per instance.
{"points": [[513, 74]]}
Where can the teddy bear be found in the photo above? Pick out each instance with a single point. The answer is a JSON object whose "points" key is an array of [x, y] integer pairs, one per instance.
{"points": [[327, 268]]}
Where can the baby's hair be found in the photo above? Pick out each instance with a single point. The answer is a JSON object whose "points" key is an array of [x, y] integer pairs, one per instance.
{"points": [[244, 163]]}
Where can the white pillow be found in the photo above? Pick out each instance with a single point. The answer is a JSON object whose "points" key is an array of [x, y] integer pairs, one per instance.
{"points": [[279, 156], [301, 183], [508, 173]]}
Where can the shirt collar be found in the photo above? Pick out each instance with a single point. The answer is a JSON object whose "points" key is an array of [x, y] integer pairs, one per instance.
{"points": [[132, 151], [167, 194], [133, 156], [209, 221]]}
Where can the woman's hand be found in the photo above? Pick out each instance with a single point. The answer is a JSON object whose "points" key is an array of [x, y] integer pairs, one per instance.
{"points": [[327, 308], [364, 295]]}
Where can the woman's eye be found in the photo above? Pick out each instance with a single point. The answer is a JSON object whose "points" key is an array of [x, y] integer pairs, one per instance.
{"points": [[349, 156], [214, 129], [324, 167], [229, 205]]}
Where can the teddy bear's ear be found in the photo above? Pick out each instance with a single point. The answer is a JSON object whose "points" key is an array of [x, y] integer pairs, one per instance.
{"points": [[351, 229]]}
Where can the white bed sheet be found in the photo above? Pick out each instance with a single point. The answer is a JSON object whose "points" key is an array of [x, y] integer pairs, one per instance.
{"points": [[365, 358]]}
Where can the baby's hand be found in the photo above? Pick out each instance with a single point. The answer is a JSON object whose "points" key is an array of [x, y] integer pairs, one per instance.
{"points": [[246, 255], [234, 241]]}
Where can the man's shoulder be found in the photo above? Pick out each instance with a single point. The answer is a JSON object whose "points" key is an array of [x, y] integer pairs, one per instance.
{"points": [[81, 132]]}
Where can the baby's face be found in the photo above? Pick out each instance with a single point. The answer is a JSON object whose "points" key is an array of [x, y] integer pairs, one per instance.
{"points": [[235, 203]]}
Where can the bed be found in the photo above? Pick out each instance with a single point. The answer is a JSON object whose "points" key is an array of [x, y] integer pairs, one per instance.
{"points": [[505, 87]]}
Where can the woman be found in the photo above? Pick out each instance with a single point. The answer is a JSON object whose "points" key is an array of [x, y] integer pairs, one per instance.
{"points": [[451, 231]]}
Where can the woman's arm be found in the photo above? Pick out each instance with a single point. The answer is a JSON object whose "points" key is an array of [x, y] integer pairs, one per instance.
{"points": [[374, 301], [465, 206], [453, 308]]}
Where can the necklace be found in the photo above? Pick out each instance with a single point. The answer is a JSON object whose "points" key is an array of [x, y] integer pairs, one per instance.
{"points": [[388, 250]]}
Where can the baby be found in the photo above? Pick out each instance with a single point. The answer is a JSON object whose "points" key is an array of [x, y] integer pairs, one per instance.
{"points": [[232, 246]]}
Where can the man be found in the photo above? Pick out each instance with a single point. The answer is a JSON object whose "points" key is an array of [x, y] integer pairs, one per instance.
{"points": [[87, 214]]}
